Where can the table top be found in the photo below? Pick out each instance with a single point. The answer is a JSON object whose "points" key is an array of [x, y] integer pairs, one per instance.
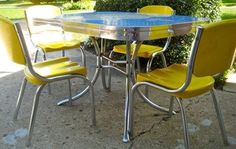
{"points": [[128, 19], [125, 25]]}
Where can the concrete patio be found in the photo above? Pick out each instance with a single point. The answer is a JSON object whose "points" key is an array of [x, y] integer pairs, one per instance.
{"points": [[69, 126]]}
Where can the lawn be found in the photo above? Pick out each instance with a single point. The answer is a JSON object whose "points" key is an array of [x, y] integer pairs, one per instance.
{"points": [[229, 2], [228, 10], [14, 10], [12, 13]]}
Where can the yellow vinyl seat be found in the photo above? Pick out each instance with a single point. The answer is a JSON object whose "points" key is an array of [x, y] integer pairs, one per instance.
{"points": [[197, 86], [59, 45], [145, 51], [212, 53], [42, 73], [48, 38], [52, 68]]}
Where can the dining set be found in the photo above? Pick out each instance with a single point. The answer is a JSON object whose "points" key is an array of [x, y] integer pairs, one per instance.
{"points": [[47, 26]]}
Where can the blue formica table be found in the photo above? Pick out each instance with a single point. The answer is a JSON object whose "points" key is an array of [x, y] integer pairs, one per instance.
{"points": [[126, 26]]}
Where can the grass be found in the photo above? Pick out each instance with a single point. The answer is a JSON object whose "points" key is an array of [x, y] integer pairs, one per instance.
{"points": [[18, 13], [14, 9], [12, 13], [229, 2], [228, 12]]}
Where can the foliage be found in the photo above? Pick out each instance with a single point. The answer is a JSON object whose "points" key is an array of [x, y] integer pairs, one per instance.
{"points": [[81, 4], [39, 1], [71, 6], [179, 47], [209, 8]]}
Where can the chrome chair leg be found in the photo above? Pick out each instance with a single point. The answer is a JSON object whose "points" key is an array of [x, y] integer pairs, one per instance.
{"points": [[138, 64], [33, 115], [44, 56], [36, 56], [184, 121], [83, 58], [109, 72], [20, 97], [49, 86], [163, 59], [106, 82], [126, 137], [131, 111], [171, 106], [128, 123], [220, 118], [148, 68], [63, 53], [93, 112]]}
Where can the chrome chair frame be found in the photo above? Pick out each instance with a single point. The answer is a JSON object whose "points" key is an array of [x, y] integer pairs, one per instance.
{"points": [[44, 54], [39, 89], [38, 49], [129, 105]]}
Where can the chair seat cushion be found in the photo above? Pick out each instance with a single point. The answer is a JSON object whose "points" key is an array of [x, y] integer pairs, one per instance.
{"points": [[53, 68], [144, 51], [59, 45], [174, 76]]}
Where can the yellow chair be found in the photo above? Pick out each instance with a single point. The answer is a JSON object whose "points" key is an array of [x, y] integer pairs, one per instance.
{"points": [[48, 38], [210, 55], [150, 51], [12, 40], [145, 50]]}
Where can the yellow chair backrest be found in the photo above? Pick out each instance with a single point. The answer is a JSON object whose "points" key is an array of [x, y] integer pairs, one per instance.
{"points": [[41, 11], [157, 9], [216, 48], [160, 31], [10, 42]]}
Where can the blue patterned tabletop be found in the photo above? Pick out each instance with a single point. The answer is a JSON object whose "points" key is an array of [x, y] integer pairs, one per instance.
{"points": [[128, 19]]}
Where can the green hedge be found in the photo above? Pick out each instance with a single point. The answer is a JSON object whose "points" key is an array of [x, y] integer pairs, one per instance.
{"points": [[39, 1], [79, 4], [179, 47]]}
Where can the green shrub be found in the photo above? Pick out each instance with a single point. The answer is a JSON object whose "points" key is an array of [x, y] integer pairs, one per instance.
{"points": [[228, 1], [39, 1], [81, 4], [87, 4], [71, 6], [179, 47]]}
